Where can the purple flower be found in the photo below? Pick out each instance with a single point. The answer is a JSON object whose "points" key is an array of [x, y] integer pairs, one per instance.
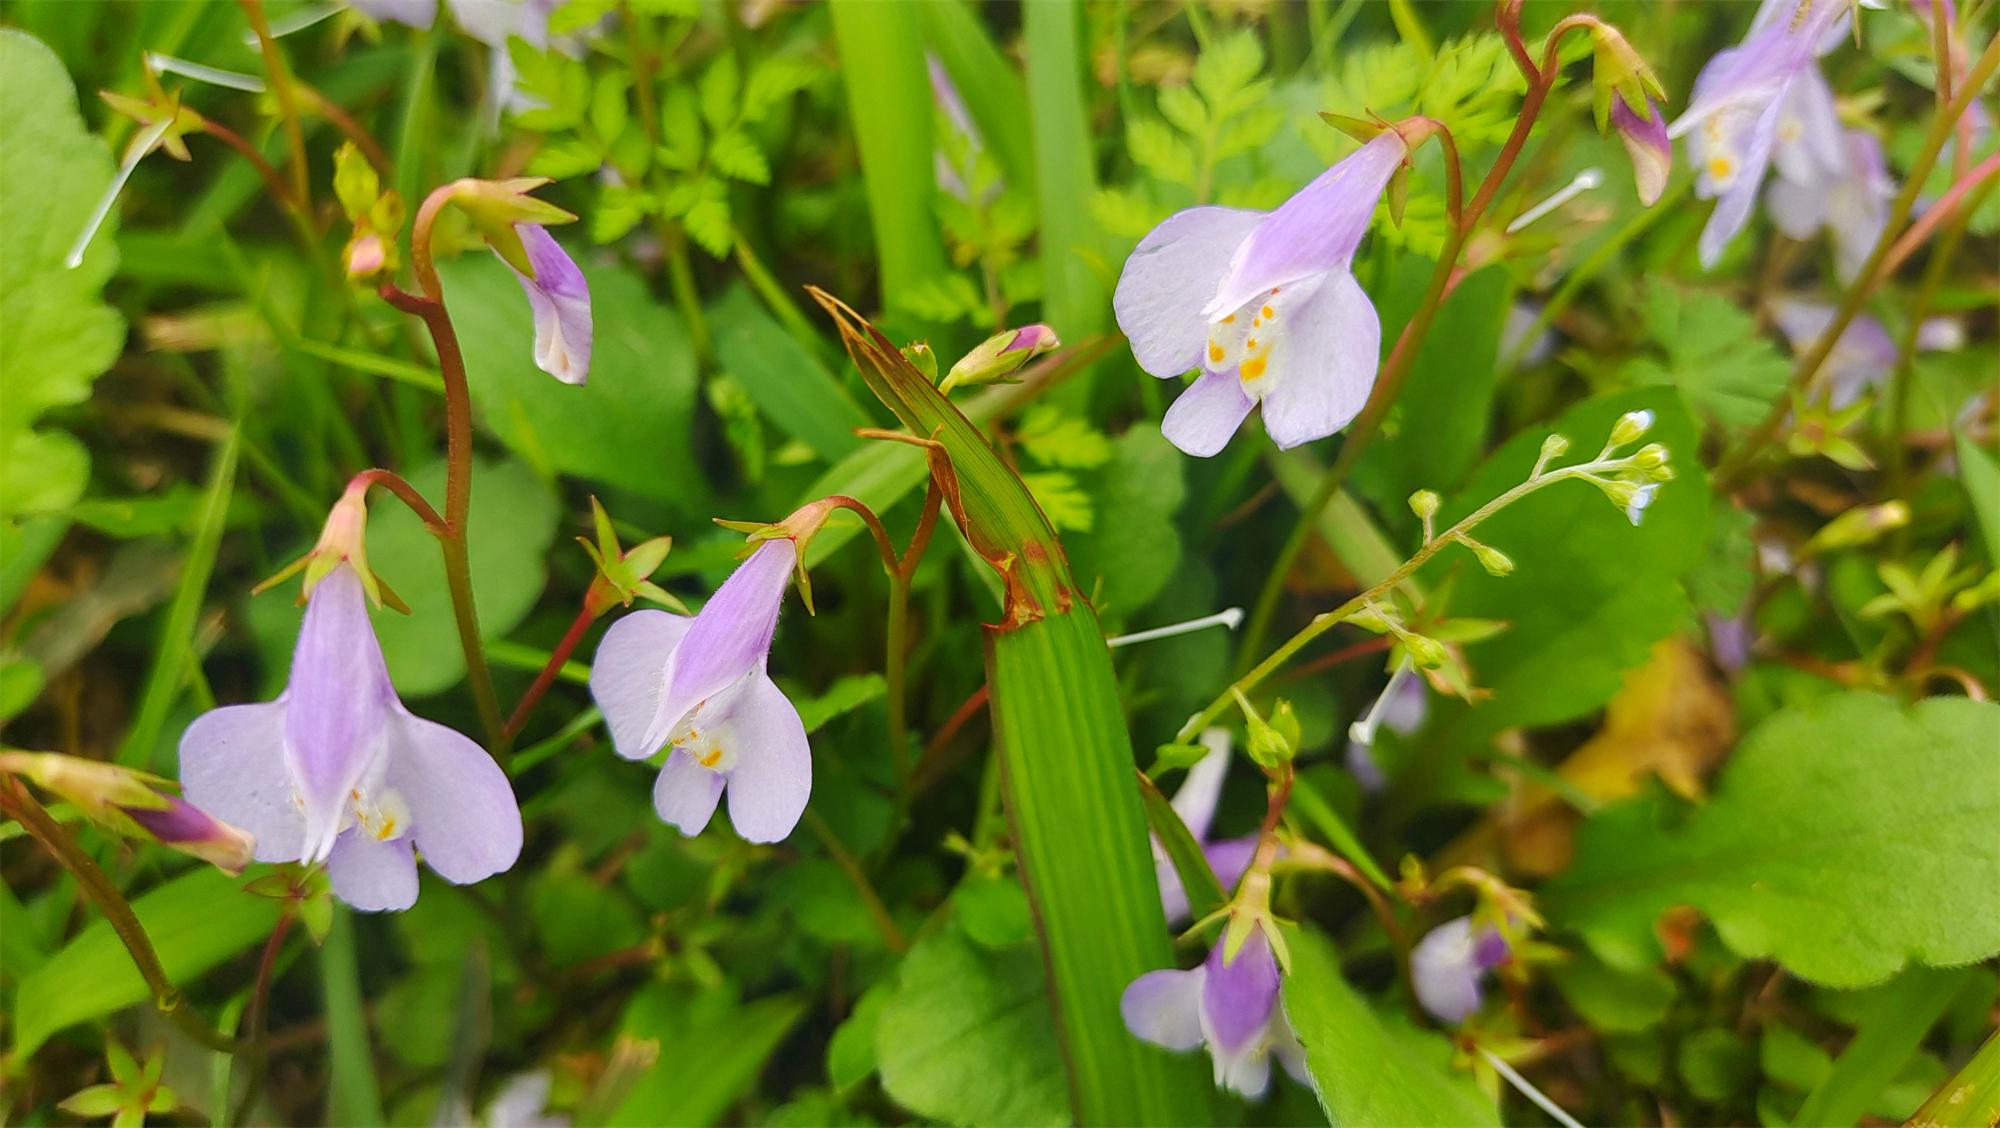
{"points": [[1732, 122], [1195, 802], [699, 686], [1231, 1006], [1849, 198], [1448, 963], [412, 13], [1646, 143], [1265, 305], [336, 770], [1860, 358], [560, 300]]}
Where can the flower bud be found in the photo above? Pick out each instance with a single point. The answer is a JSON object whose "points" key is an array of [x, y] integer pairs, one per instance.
{"points": [[191, 830], [1424, 503], [1495, 562], [1618, 75], [1646, 143], [1652, 456], [1631, 427], [1425, 653], [1000, 356], [1860, 525], [365, 256], [1275, 741], [922, 358], [1555, 446], [125, 801]]}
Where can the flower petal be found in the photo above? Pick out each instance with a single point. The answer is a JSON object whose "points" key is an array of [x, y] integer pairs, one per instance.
{"points": [[1798, 210], [1646, 144], [1732, 208], [1201, 421], [1170, 276], [686, 793], [1445, 972], [233, 767], [772, 776], [1316, 230], [560, 300], [462, 810], [629, 675], [1202, 789], [1810, 146], [1245, 1071], [1237, 995], [415, 13], [1230, 859], [1164, 1008], [1323, 368], [336, 706], [373, 875], [729, 638]]}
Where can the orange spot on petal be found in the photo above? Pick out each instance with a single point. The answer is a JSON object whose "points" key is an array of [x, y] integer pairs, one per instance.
{"points": [[1215, 354], [1252, 368]]}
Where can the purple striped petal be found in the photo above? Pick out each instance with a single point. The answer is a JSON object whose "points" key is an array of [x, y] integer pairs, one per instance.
{"points": [[1316, 230], [1322, 364], [629, 675], [1237, 995], [560, 301], [371, 874], [233, 766], [1164, 1008], [1201, 421], [772, 775], [188, 828], [1169, 278], [462, 810], [337, 706], [728, 639], [685, 794]]}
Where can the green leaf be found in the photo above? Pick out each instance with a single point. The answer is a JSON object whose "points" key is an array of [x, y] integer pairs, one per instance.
{"points": [[1714, 354], [739, 158], [1887, 1035], [843, 696], [1369, 1068], [1197, 877], [711, 1050], [55, 331], [993, 911], [1980, 475], [1134, 549], [1971, 1099], [1619, 1000], [1846, 839], [513, 522], [967, 1037], [850, 1052], [629, 427], [889, 103], [788, 383], [1059, 496], [1076, 293], [195, 921], [1226, 68], [1159, 150]]}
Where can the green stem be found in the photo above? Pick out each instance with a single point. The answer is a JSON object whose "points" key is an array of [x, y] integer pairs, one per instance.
{"points": [[1920, 306], [17, 802], [288, 108], [1761, 438], [761, 280], [878, 912], [1389, 383], [680, 277], [1327, 620]]}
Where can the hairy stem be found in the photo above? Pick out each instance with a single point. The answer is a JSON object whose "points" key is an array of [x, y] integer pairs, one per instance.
{"points": [[43, 828]]}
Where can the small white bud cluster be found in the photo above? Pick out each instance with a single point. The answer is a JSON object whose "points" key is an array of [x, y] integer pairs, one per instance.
{"points": [[1636, 478]]}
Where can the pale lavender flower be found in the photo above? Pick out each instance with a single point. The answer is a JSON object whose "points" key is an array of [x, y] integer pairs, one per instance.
{"points": [[1860, 358], [1733, 118], [560, 299], [419, 14], [495, 23], [698, 686], [1230, 1006], [949, 175], [1447, 965], [522, 1103], [1730, 640], [1646, 143], [337, 771], [1195, 803], [1850, 200], [1265, 305]]}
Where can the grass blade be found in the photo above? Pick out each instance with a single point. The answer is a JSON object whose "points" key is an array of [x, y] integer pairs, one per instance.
{"points": [[889, 100], [352, 1095], [1075, 291], [1886, 1037]]}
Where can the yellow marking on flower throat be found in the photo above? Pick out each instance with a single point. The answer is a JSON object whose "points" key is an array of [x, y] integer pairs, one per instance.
{"points": [[1721, 168], [713, 757], [1215, 353], [1252, 368]]}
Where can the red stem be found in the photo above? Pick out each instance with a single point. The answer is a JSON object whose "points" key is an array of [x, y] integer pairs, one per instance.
{"points": [[585, 616]]}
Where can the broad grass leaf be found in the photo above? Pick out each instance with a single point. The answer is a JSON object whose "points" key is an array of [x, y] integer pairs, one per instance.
{"points": [[711, 1050], [786, 382], [195, 921], [1846, 839], [1368, 1068]]}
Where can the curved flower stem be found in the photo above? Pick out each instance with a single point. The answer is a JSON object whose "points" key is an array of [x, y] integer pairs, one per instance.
{"points": [[279, 79], [878, 912], [1944, 208], [585, 616], [42, 827], [1389, 382], [1327, 620], [255, 1018], [405, 492], [272, 179], [429, 307], [1761, 438]]}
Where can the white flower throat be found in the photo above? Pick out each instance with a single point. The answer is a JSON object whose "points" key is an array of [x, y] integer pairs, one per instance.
{"points": [[1250, 339], [706, 741]]}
